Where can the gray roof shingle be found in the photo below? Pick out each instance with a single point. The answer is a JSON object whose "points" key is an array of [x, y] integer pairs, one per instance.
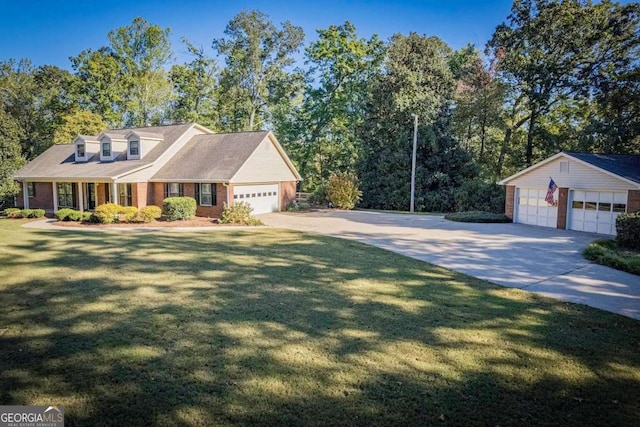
{"points": [[213, 157], [58, 160], [626, 166]]}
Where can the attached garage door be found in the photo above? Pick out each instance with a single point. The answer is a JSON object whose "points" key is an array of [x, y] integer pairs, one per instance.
{"points": [[596, 211], [533, 209], [263, 198]]}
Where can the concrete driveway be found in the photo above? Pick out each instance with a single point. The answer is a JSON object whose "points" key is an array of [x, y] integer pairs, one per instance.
{"points": [[537, 259]]}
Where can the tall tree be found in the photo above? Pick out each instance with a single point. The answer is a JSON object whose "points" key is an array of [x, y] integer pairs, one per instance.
{"points": [[325, 138], [195, 85], [258, 56], [80, 122], [417, 79], [10, 156]]}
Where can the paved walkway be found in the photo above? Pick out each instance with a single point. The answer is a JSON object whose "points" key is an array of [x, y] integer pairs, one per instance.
{"points": [[538, 259]]}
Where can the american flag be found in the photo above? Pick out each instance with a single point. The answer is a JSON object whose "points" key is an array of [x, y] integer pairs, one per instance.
{"points": [[552, 188]]}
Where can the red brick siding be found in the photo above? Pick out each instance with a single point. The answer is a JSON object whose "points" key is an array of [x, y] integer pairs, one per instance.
{"points": [[139, 194], [633, 201], [563, 200], [213, 211], [101, 194], [508, 205], [287, 193], [43, 198]]}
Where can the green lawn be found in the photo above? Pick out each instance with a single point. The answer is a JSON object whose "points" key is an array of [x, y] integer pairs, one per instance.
{"points": [[235, 327]]}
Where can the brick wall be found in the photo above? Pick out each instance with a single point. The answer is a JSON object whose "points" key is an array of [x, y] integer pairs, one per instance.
{"points": [[287, 193], [508, 205], [633, 201], [212, 211], [563, 201], [139, 194], [43, 198]]}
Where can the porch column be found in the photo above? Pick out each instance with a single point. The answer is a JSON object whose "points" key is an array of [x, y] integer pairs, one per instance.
{"points": [[80, 197], [114, 193], [55, 196], [25, 194]]}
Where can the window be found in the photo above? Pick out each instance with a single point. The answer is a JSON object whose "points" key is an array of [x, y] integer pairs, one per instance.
{"points": [[80, 150], [31, 189], [619, 207], [106, 149], [173, 189], [124, 194], [564, 167], [590, 206], [605, 207], [206, 194], [577, 204], [134, 148], [66, 192]]}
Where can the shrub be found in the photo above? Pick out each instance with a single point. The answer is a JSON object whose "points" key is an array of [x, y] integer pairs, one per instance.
{"points": [[128, 213], [37, 213], [476, 216], [607, 252], [294, 207], [63, 214], [26, 213], [150, 213], [74, 216], [86, 216], [319, 196], [13, 213], [107, 213], [342, 191], [179, 208], [628, 229], [478, 195], [238, 213]]}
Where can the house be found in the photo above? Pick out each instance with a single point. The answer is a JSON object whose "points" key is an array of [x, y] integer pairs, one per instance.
{"points": [[593, 189], [142, 166]]}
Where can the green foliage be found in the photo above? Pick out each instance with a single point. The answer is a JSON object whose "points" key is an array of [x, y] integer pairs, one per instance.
{"points": [[607, 252], [295, 207], [628, 230], [32, 213], [342, 191], [477, 216], [87, 216], [150, 213], [67, 214], [239, 213], [128, 213], [13, 212], [255, 80], [179, 208], [107, 213], [479, 195], [80, 122], [319, 196], [10, 155]]}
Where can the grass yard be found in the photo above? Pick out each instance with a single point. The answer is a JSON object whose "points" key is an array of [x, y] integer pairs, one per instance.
{"points": [[235, 327], [607, 252]]}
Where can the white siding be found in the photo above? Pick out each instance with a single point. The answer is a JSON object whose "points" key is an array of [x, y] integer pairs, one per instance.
{"points": [[264, 165], [146, 174], [580, 176]]}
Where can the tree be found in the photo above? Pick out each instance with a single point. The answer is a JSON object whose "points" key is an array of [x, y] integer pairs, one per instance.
{"points": [[126, 82], [324, 137], [195, 86], [257, 55], [10, 156], [417, 79], [80, 122]]}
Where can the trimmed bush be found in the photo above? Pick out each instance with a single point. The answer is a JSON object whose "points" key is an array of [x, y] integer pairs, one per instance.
{"points": [[179, 208], [238, 213], [107, 213], [477, 195], [628, 229], [13, 213], [477, 216], [86, 216], [342, 191], [150, 213], [26, 213], [37, 213], [607, 252], [63, 214], [74, 216], [128, 213]]}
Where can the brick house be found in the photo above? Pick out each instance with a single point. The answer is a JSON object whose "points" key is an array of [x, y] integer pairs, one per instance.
{"points": [[592, 190], [142, 166]]}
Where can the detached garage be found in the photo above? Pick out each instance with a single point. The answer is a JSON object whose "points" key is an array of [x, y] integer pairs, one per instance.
{"points": [[575, 191]]}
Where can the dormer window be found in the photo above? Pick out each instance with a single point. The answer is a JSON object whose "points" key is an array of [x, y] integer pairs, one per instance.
{"points": [[106, 149], [134, 148], [80, 150]]}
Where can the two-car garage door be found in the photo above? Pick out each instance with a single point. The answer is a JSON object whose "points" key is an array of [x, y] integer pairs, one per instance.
{"points": [[591, 211], [263, 198]]}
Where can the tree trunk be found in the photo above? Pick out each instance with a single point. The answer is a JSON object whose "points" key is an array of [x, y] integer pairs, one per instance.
{"points": [[503, 151], [252, 118]]}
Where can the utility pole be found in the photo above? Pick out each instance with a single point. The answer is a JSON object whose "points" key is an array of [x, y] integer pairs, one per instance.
{"points": [[413, 161]]}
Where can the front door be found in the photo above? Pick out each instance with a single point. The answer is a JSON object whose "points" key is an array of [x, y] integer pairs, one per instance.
{"points": [[90, 191]]}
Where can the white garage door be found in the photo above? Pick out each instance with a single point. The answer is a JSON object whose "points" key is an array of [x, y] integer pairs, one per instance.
{"points": [[263, 198], [533, 209], [596, 211]]}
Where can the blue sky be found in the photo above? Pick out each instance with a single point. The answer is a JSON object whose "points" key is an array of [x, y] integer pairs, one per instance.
{"points": [[48, 32]]}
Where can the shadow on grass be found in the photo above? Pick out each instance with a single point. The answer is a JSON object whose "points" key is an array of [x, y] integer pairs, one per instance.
{"points": [[276, 327]]}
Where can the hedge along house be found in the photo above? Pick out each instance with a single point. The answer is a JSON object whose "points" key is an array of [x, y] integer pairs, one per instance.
{"points": [[142, 166], [592, 190]]}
